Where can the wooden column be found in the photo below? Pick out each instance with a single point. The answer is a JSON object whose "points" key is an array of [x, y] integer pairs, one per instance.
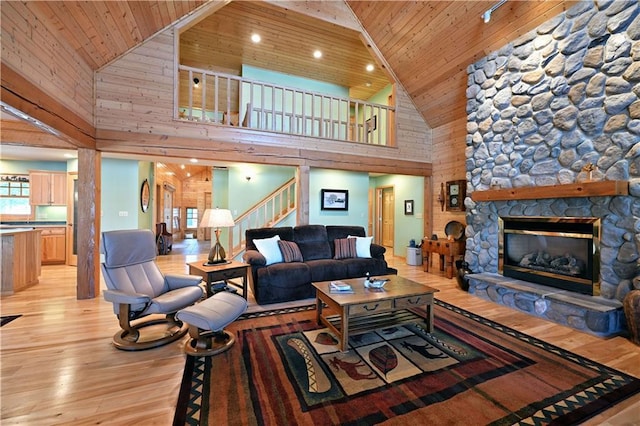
{"points": [[88, 212], [302, 193], [428, 207]]}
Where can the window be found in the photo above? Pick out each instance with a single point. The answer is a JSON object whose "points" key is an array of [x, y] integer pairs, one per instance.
{"points": [[14, 195], [192, 217]]}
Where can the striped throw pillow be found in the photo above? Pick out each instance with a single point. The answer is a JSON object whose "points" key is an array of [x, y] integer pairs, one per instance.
{"points": [[290, 251], [345, 248]]}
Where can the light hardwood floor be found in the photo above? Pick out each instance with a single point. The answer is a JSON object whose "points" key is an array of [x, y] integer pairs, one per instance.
{"points": [[58, 365]]}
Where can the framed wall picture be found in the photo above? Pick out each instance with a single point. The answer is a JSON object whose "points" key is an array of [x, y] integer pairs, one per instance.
{"points": [[408, 207], [145, 196], [334, 199], [456, 191]]}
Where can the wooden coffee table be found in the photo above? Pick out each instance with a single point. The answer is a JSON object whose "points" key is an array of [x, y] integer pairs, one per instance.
{"points": [[368, 309]]}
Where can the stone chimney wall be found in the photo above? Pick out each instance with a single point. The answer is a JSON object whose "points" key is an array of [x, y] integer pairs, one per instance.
{"points": [[559, 98]]}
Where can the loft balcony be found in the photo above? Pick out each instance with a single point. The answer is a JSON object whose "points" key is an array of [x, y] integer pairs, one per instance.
{"points": [[229, 100]]}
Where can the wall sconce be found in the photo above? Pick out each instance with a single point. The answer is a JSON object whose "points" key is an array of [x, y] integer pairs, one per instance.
{"points": [[196, 82], [441, 197]]}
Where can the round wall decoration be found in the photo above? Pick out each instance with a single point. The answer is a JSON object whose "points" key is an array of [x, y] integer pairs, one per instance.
{"points": [[145, 196]]}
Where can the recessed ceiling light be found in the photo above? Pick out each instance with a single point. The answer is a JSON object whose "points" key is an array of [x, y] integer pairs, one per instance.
{"points": [[368, 84], [194, 160], [370, 67], [182, 166], [317, 54], [255, 38]]}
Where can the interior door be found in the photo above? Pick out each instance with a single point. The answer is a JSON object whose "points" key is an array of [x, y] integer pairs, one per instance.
{"points": [[72, 219], [388, 217], [167, 210]]}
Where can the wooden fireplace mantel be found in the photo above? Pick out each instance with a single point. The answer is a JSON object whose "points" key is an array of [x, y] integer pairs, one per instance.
{"points": [[572, 190]]}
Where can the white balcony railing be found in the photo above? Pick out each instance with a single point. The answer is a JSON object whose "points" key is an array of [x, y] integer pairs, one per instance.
{"points": [[231, 100]]}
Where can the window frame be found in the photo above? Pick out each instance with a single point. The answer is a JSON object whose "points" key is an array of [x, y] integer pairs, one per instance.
{"points": [[189, 217], [16, 178]]}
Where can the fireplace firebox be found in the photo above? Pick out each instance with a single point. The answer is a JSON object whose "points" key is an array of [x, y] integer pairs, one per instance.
{"points": [[560, 252]]}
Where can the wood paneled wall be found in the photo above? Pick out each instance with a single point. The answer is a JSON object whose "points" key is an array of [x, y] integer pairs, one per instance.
{"points": [[193, 195], [449, 144], [44, 60], [135, 114]]}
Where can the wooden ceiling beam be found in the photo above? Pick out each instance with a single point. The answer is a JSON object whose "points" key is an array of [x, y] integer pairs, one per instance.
{"points": [[21, 133], [21, 94], [161, 146]]}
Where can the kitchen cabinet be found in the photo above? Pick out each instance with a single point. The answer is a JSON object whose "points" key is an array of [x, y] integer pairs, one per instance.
{"points": [[53, 245], [47, 188]]}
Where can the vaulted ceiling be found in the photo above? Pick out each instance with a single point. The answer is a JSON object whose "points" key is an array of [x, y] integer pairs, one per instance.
{"points": [[426, 45]]}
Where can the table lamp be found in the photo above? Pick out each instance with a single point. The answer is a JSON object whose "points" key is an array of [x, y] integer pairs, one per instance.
{"points": [[217, 218]]}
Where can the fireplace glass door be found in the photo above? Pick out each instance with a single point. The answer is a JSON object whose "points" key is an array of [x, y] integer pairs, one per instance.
{"points": [[557, 252]]}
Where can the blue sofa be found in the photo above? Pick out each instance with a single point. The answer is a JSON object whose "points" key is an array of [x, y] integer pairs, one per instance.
{"points": [[286, 281]]}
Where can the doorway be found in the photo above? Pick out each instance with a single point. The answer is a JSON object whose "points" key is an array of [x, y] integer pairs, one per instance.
{"points": [[207, 205], [72, 219], [385, 210]]}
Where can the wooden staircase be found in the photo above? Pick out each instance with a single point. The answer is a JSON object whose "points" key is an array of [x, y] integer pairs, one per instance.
{"points": [[269, 212]]}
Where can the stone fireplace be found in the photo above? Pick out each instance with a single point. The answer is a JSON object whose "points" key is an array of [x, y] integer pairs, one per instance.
{"points": [[556, 108], [559, 252]]}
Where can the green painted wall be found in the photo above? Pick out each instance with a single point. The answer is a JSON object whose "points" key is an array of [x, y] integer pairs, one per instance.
{"points": [[120, 194], [294, 81], [357, 183]]}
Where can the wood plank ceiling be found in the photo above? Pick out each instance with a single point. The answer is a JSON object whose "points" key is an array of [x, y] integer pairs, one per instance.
{"points": [[427, 44]]}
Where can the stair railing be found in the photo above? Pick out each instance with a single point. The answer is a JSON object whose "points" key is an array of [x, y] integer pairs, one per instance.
{"points": [[268, 212]]}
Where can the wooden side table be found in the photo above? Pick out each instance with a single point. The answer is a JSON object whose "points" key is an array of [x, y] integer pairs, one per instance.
{"points": [[447, 249], [221, 272]]}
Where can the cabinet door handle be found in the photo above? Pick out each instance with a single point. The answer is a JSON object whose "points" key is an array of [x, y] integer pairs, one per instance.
{"points": [[371, 309], [412, 302]]}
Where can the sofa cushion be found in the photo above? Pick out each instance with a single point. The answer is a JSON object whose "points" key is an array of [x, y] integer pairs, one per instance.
{"points": [[282, 282], [360, 266], [327, 270], [268, 247], [345, 248], [312, 240], [363, 246], [290, 251]]}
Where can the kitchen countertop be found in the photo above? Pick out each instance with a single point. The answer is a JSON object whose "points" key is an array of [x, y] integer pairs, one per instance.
{"points": [[12, 230], [31, 224]]}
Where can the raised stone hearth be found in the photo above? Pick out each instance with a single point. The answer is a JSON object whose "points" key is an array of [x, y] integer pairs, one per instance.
{"points": [[595, 315], [556, 108]]}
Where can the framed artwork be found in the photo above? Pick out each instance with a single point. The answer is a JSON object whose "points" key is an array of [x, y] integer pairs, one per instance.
{"points": [[334, 199], [408, 207], [145, 196], [456, 191]]}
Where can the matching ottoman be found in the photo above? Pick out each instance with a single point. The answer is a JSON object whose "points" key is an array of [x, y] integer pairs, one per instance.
{"points": [[207, 321]]}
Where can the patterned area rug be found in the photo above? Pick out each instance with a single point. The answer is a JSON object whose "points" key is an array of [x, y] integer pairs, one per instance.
{"points": [[284, 369]]}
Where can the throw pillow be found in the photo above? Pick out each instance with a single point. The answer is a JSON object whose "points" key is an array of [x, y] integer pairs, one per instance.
{"points": [[290, 251], [268, 247], [345, 248], [363, 246]]}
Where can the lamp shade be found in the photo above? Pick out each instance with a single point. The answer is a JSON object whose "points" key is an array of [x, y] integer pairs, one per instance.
{"points": [[217, 218]]}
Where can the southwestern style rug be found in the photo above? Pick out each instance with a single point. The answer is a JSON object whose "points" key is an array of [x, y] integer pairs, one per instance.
{"points": [[284, 369]]}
